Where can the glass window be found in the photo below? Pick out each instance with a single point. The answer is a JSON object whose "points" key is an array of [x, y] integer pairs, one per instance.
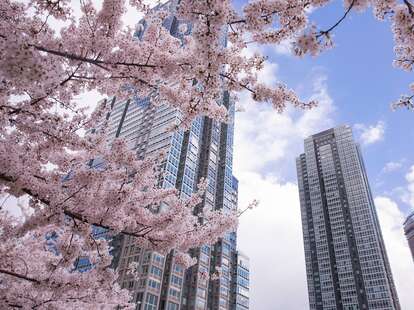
{"points": [[151, 302], [213, 157], [226, 251], [200, 304], [201, 292], [156, 271], [224, 281], [224, 291], [175, 293], [242, 300], [243, 282], [154, 284], [157, 258], [172, 306], [204, 258], [241, 290], [203, 269], [178, 268], [176, 280], [205, 249]]}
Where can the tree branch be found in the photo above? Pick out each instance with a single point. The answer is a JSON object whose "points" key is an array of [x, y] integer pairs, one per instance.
{"points": [[267, 15], [83, 219], [99, 63], [325, 32], [20, 276]]}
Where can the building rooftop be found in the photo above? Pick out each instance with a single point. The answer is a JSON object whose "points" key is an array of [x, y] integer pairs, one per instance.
{"points": [[410, 219]]}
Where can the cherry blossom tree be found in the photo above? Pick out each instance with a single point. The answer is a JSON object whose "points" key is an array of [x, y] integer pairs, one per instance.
{"points": [[45, 155]]}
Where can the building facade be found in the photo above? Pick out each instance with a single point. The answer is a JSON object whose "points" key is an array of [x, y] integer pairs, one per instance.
{"points": [[346, 263], [409, 232], [241, 282], [204, 151]]}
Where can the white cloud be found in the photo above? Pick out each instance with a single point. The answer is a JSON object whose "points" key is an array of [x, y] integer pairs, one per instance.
{"points": [[392, 166], [265, 138], [266, 144], [89, 99], [405, 192], [271, 235], [371, 134], [252, 49], [402, 266], [268, 74], [284, 48], [410, 187], [14, 206]]}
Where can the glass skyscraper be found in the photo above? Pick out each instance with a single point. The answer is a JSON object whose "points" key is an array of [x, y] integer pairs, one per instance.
{"points": [[203, 151], [409, 232], [346, 262]]}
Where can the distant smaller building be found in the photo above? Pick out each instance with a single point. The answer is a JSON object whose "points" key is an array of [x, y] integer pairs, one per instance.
{"points": [[409, 232]]}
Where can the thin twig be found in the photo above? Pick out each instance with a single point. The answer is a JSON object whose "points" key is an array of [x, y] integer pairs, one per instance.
{"points": [[325, 32]]}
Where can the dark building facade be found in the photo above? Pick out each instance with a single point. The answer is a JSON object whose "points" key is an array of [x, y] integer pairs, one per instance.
{"points": [[409, 232], [346, 263]]}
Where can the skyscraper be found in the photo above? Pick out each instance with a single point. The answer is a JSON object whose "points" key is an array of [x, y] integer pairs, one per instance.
{"points": [[409, 232], [204, 151], [241, 282], [346, 263]]}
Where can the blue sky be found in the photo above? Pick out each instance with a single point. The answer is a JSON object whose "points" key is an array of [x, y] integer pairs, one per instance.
{"points": [[355, 84], [362, 83]]}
